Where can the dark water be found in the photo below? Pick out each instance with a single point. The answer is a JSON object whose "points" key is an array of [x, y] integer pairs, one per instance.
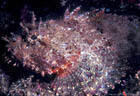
{"points": [[12, 12]]}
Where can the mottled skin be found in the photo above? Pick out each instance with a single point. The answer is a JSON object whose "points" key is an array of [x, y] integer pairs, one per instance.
{"points": [[82, 49]]}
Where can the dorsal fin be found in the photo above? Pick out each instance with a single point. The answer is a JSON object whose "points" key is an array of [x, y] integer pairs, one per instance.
{"points": [[70, 15]]}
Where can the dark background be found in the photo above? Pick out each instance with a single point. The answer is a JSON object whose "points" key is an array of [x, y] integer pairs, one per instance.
{"points": [[12, 12]]}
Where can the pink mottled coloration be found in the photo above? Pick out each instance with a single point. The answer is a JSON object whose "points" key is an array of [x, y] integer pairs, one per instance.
{"points": [[82, 49]]}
